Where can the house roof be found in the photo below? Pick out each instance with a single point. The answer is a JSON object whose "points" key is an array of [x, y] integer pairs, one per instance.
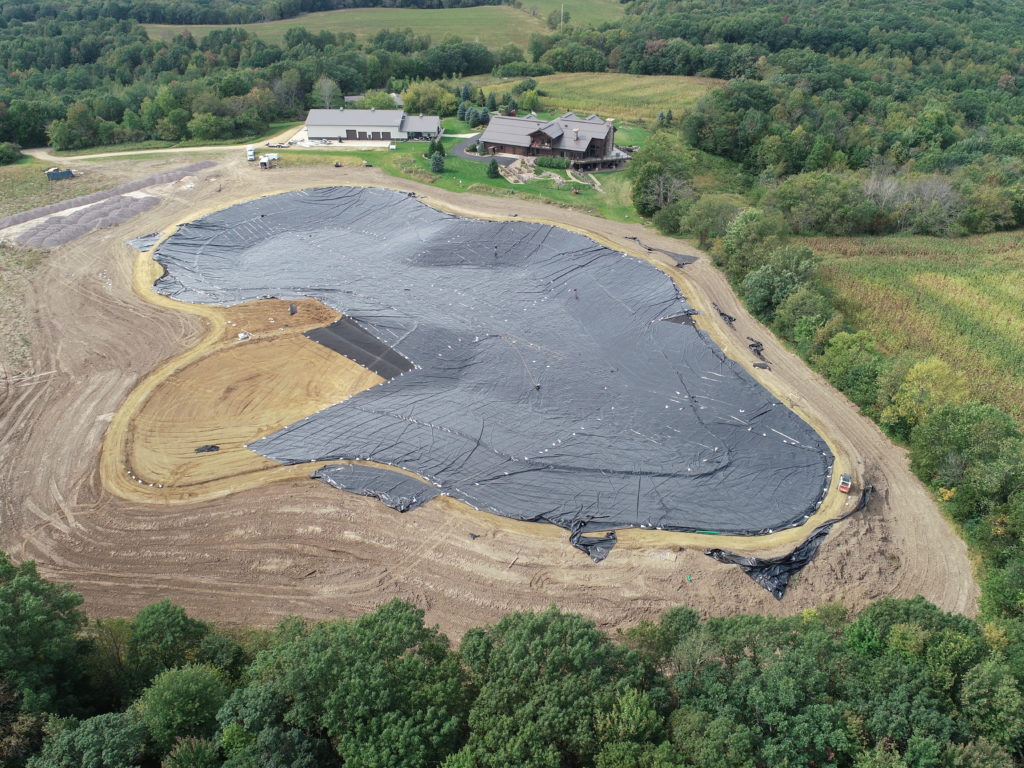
{"points": [[566, 132], [355, 117], [551, 130], [422, 124]]}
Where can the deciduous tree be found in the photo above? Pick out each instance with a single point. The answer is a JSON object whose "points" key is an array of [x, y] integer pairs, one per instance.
{"points": [[927, 385], [545, 683], [429, 99], [41, 655], [182, 702], [852, 363], [115, 740], [709, 217]]}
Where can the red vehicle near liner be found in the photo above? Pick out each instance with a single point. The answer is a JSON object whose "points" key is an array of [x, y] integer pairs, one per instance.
{"points": [[845, 483]]}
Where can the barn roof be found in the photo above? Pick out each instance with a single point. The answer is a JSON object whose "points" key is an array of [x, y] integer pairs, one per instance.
{"points": [[355, 117]]}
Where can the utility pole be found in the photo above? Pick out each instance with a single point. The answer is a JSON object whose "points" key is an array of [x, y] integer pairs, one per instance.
{"points": [[561, 20]]}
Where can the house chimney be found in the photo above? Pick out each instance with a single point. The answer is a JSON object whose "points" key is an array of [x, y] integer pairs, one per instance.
{"points": [[575, 134]]}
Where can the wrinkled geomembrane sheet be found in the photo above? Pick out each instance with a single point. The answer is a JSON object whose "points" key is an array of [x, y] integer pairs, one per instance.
{"points": [[398, 491], [145, 242], [547, 385], [596, 547], [774, 573]]}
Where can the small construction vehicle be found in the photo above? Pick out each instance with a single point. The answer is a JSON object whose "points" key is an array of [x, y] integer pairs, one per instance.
{"points": [[845, 483]]}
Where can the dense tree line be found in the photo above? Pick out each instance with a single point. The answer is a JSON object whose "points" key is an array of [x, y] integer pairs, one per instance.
{"points": [[210, 11], [907, 116], [79, 84], [900, 684]]}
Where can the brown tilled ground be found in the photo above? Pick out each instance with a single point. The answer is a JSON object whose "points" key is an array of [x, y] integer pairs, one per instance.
{"points": [[288, 545]]}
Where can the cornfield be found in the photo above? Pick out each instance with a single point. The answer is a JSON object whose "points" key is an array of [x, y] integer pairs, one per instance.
{"points": [[961, 300]]}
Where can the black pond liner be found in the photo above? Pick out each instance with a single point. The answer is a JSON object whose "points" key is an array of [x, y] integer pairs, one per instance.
{"points": [[774, 573], [348, 338], [531, 374], [393, 489]]}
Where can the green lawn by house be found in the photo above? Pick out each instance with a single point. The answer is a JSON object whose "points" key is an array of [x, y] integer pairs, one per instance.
{"points": [[462, 175]]}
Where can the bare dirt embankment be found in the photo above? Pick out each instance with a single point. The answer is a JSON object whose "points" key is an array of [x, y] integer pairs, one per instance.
{"points": [[299, 547]]}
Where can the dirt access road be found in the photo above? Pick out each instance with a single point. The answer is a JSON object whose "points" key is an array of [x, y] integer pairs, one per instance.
{"points": [[46, 153], [299, 547]]}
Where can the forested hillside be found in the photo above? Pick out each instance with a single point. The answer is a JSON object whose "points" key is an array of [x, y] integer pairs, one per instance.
{"points": [[102, 82], [837, 87], [902, 684], [931, 89]]}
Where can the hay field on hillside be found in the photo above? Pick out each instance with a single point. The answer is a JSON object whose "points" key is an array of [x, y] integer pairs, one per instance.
{"points": [[492, 25], [961, 300], [579, 11], [624, 97]]}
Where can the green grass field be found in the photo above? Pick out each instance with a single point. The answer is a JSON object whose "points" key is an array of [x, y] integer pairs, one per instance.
{"points": [[628, 135], [961, 300], [492, 25], [469, 176], [579, 11], [25, 186], [627, 98], [454, 125]]}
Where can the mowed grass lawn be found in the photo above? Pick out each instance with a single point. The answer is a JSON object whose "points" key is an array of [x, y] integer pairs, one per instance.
{"points": [[961, 300], [624, 97], [492, 25], [461, 175]]}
